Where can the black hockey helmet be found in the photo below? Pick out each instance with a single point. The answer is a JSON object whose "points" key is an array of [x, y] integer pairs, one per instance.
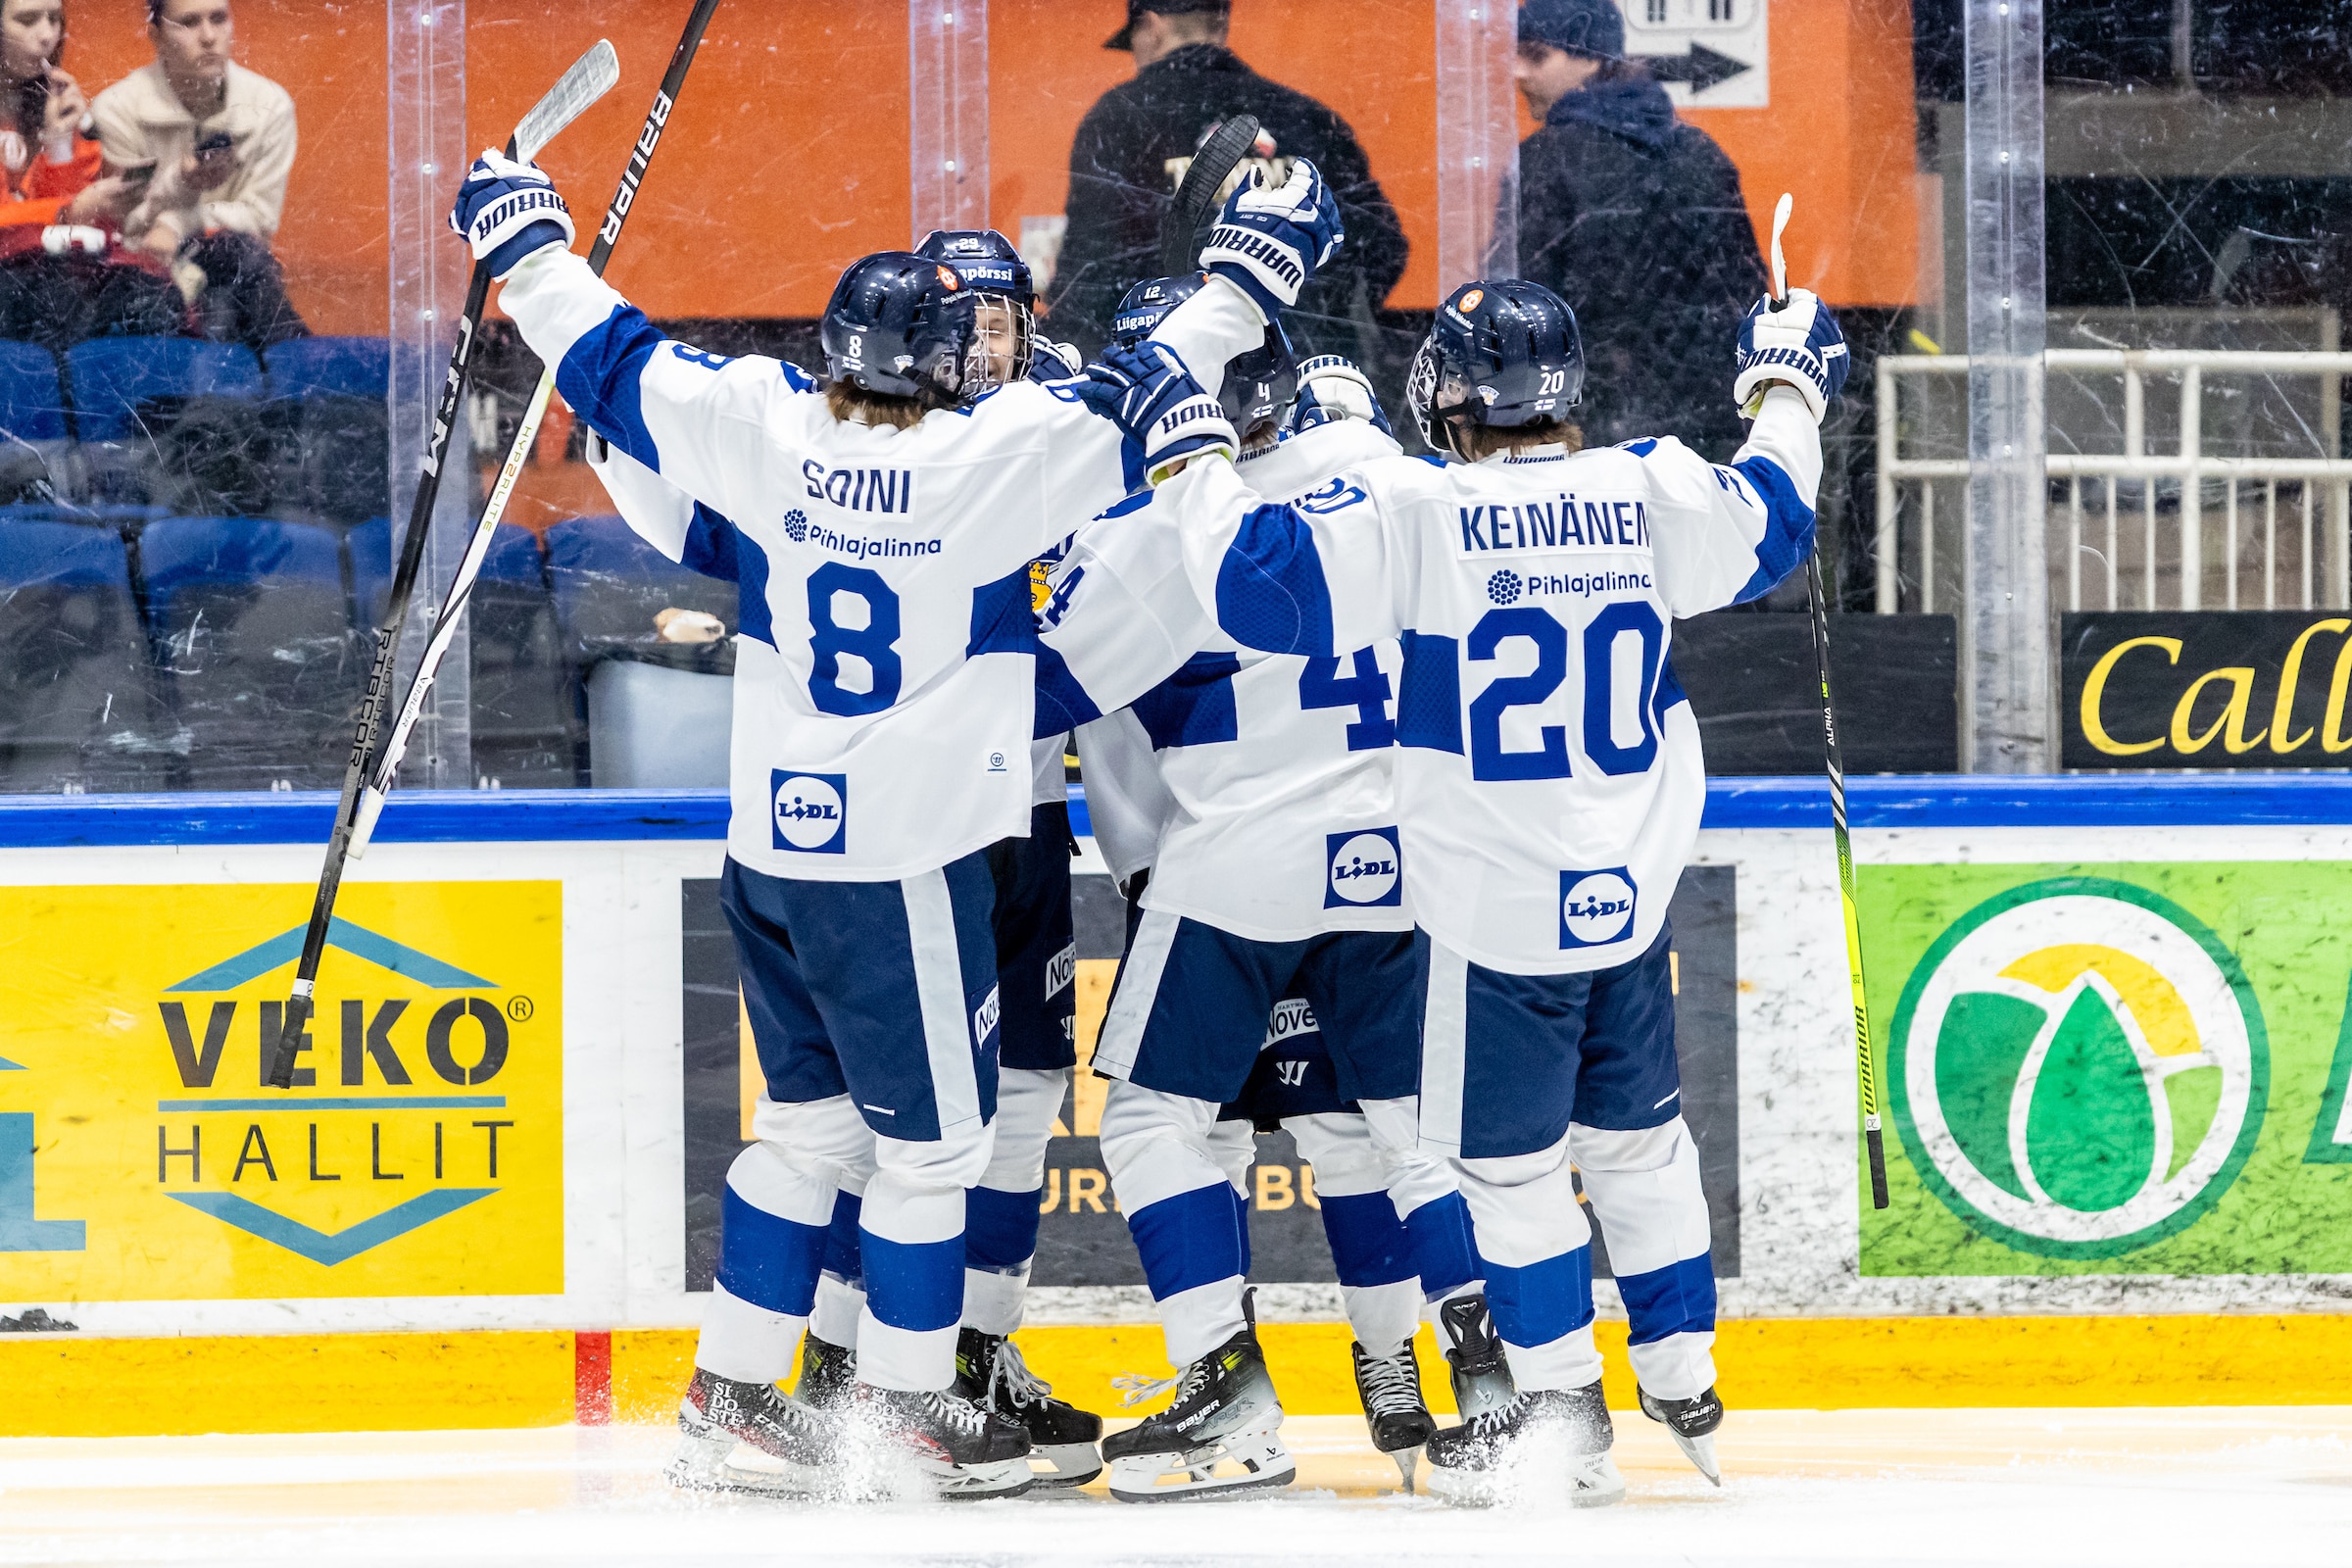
{"points": [[1259, 386], [1503, 355], [992, 268], [904, 327]]}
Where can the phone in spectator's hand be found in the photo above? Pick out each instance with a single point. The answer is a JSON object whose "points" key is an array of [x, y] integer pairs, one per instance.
{"points": [[219, 141], [135, 176]]}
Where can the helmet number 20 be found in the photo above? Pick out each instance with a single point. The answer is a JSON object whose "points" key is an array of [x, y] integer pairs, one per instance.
{"points": [[1554, 382], [874, 643], [1629, 628]]}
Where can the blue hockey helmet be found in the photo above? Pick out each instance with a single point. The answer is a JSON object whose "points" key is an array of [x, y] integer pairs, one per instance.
{"points": [[905, 326], [1503, 355], [992, 268], [1259, 385]]}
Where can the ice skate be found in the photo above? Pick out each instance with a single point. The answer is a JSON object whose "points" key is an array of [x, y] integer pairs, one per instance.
{"points": [[961, 1450], [1393, 1409], [1692, 1422], [746, 1436], [1481, 1373], [990, 1372], [828, 1375], [1500, 1457], [1221, 1436]]}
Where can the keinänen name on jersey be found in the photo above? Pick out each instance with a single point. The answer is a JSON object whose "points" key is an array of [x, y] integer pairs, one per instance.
{"points": [[1568, 523]]}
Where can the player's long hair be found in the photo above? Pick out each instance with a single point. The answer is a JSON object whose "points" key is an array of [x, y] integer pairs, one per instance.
{"points": [[1479, 441], [852, 404]]}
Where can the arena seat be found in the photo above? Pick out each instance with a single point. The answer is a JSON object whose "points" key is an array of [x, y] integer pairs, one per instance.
{"points": [[77, 696]]}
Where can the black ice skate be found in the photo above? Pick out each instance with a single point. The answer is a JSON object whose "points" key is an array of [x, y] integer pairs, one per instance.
{"points": [[961, 1450], [1501, 1457], [1482, 1376], [990, 1372], [1393, 1409], [1692, 1422], [1226, 1419], [828, 1375], [746, 1436]]}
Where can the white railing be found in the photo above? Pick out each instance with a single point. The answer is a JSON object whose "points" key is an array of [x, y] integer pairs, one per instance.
{"points": [[2314, 557]]}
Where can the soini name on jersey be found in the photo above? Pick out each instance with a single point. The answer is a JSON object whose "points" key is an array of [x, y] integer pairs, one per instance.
{"points": [[860, 489], [1544, 525]]}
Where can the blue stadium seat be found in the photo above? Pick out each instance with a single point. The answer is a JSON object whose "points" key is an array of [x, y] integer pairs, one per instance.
{"points": [[610, 583], [77, 705], [514, 560], [253, 625], [348, 366], [32, 404], [115, 378]]}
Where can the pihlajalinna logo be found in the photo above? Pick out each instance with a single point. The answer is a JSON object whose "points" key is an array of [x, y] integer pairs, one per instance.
{"points": [[2079, 1068]]}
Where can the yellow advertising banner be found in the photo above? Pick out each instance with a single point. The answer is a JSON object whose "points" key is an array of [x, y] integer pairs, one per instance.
{"points": [[419, 1151]]}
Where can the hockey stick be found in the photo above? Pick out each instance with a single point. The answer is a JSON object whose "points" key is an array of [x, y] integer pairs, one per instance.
{"points": [[477, 549], [1219, 153], [590, 77], [1872, 1137]]}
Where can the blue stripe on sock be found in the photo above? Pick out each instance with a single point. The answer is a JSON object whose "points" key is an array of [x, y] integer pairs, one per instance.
{"points": [[1536, 1305], [916, 1286], [1679, 1298], [1369, 1244], [1444, 1253], [842, 1259], [1191, 1239], [766, 1260], [999, 1229]]}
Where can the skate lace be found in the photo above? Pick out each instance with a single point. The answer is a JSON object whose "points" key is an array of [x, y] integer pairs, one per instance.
{"points": [[1011, 1376], [1133, 1388], [962, 1414], [1496, 1423], [1390, 1388]]}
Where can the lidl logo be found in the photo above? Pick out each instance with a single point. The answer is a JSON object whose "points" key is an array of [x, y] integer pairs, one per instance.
{"points": [[418, 1149], [2079, 1068]]}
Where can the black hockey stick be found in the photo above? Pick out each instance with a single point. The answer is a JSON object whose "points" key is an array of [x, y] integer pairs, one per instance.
{"points": [[590, 77], [1873, 1138], [1219, 153], [485, 529]]}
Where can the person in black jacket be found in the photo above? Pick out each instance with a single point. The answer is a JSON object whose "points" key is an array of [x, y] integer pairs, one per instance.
{"points": [[1634, 219], [1135, 143]]}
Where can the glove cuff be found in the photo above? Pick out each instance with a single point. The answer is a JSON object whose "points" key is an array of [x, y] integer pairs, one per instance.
{"points": [[1799, 369]]}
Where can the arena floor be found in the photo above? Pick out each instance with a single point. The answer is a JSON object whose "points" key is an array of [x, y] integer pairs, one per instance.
{"points": [[2079, 1488]]}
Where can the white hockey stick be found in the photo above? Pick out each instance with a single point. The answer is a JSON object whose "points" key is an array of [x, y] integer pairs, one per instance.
{"points": [[460, 590]]}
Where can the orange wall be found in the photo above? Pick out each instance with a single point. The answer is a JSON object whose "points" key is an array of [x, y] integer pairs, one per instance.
{"points": [[788, 154]]}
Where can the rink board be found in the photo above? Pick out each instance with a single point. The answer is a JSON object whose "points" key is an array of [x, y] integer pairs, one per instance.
{"points": [[2112, 1014]]}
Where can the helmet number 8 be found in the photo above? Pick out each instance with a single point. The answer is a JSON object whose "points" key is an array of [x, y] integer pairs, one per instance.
{"points": [[875, 643]]}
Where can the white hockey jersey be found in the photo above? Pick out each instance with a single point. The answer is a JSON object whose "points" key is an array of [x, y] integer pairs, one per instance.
{"points": [[885, 662], [1279, 808], [1550, 779]]}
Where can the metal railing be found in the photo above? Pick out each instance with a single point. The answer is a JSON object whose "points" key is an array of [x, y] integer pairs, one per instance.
{"points": [[2168, 491]]}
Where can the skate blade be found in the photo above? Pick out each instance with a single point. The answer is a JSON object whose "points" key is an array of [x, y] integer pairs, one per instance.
{"points": [[1243, 1462], [1595, 1483], [1700, 1452], [1066, 1464], [1006, 1478], [1408, 1461], [711, 1463]]}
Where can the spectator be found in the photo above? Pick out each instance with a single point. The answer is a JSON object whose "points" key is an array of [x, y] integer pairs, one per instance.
{"points": [[1132, 148], [56, 287], [1634, 219], [219, 141]]}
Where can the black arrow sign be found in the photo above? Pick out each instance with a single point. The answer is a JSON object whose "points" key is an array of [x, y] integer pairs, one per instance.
{"points": [[1702, 68]]}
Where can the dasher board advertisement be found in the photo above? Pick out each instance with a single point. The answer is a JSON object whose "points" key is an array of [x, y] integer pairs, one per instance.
{"points": [[2206, 688]]}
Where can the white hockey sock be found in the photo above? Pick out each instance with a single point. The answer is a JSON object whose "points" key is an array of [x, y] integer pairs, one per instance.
{"points": [[745, 1342], [838, 1305], [993, 1301], [1383, 1316]]}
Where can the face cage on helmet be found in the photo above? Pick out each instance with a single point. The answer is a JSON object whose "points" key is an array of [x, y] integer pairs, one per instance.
{"points": [[1024, 347], [1439, 400]]}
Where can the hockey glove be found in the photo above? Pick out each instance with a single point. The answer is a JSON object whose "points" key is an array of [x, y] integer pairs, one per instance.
{"points": [[508, 211], [1147, 392], [1796, 341], [1271, 240], [1331, 389]]}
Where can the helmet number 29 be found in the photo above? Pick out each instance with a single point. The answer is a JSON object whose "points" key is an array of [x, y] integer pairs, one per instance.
{"points": [[1628, 628], [873, 644]]}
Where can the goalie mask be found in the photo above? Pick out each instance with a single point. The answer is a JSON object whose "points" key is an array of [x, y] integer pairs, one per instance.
{"points": [[1260, 385], [903, 325], [993, 268], [1503, 355]]}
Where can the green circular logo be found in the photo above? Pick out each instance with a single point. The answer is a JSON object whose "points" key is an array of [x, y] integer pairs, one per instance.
{"points": [[2079, 1068]]}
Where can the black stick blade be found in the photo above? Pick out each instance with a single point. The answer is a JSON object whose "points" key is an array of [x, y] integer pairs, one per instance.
{"points": [[1220, 153]]}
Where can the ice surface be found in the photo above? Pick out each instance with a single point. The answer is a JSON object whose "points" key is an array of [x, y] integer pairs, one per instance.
{"points": [[2079, 1487]]}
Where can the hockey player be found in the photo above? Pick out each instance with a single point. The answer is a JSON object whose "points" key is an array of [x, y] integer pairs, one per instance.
{"points": [[884, 521], [1550, 785], [1273, 881]]}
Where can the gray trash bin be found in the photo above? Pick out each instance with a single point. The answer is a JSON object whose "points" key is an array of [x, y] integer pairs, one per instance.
{"points": [[659, 716]]}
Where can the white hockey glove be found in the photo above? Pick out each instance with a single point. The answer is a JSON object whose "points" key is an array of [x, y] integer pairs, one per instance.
{"points": [[1164, 414], [1271, 240], [1795, 341], [509, 211], [1331, 389]]}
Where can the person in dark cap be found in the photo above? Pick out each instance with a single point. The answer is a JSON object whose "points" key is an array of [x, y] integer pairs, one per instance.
{"points": [[1636, 218], [1135, 143]]}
